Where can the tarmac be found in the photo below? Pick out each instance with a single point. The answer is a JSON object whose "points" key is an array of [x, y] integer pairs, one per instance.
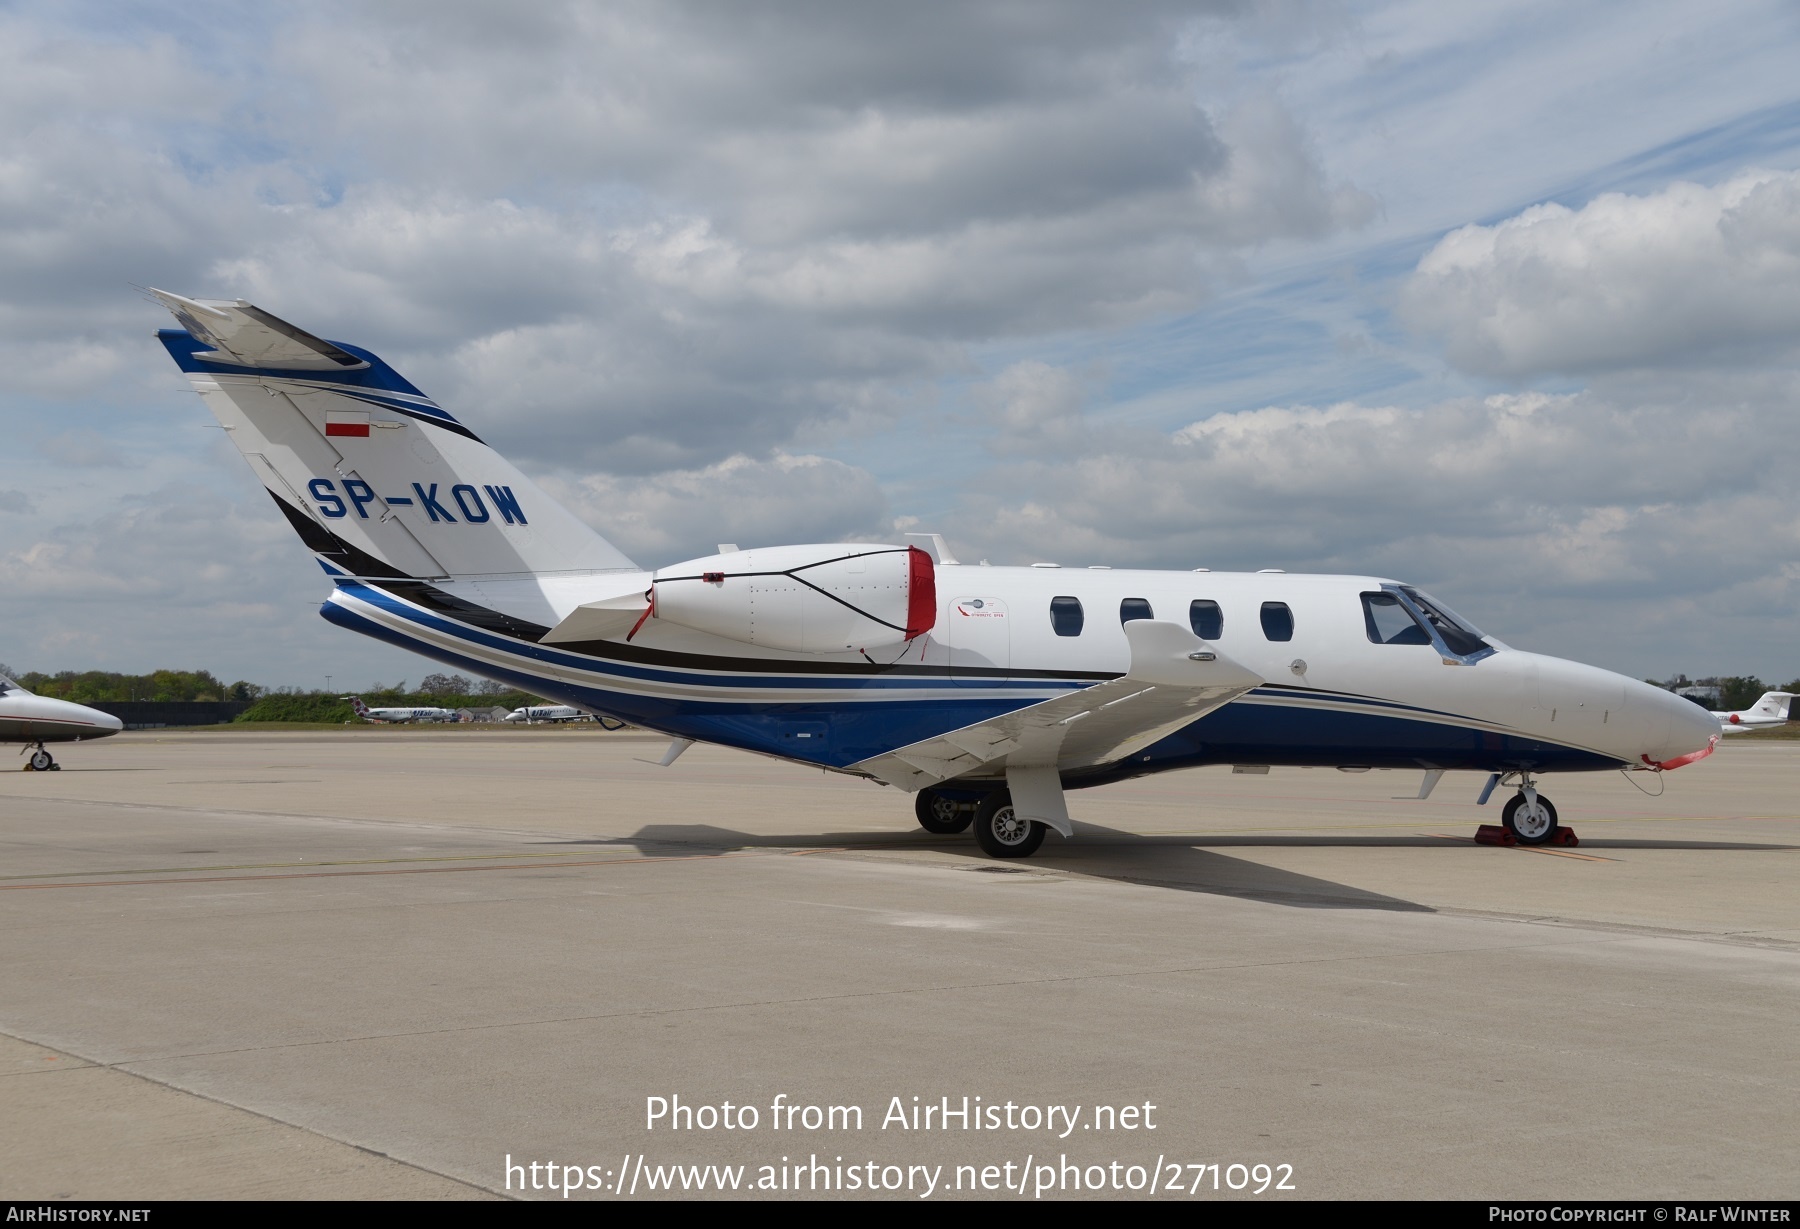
{"points": [[382, 964]]}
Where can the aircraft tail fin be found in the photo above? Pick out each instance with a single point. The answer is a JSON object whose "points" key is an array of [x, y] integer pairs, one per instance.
{"points": [[1773, 704], [359, 708], [377, 479]]}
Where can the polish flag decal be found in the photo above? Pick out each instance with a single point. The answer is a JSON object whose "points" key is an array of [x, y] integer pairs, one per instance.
{"points": [[347, 422]]}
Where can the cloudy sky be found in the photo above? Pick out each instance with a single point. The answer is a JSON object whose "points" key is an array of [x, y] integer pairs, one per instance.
{"points": [[1502, 299]]}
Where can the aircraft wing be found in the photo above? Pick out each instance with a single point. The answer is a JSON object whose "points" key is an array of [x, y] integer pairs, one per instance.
{"points": [[1175, 678]]}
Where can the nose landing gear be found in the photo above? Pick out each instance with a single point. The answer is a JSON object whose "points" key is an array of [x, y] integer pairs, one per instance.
{"points": [[1530, 817], [41, 761]]}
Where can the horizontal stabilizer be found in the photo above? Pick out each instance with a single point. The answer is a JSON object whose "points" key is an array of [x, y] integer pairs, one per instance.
{"points": [[1175, 679], [250, 337]]}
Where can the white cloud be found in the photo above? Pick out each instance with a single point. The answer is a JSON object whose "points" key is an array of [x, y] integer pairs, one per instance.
{"points": [[83, 449], [650, 236], [1688, 274], [668, 517], [1036, 408], [185, 577], [1529, 512]]}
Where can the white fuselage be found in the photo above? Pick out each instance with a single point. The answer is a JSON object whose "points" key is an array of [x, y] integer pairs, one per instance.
{"points": [[545, 712], [1331, 696], [437, 543], [400, 716]]}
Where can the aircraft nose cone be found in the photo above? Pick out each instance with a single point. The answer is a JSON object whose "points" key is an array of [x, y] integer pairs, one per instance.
{"points": [[1691, 728], [109, 722]]}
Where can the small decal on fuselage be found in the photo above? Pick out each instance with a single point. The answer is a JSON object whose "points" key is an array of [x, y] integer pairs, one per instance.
{"points": [[462, 502]]}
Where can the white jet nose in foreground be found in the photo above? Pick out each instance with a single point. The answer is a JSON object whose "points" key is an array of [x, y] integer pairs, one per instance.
{"points": [[1584, 706], [76, 716], [1691, 729]]}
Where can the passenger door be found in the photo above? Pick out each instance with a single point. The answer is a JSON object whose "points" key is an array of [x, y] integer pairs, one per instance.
{"points": [[980, 638]]}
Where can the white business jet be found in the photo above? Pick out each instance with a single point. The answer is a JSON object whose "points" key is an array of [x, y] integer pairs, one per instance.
{"points": [[35, 720], [1765, 714], [399, 716], [986, 692]]}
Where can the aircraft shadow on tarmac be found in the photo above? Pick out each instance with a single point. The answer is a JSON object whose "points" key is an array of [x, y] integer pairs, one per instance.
{"points": [[1100, 853]]}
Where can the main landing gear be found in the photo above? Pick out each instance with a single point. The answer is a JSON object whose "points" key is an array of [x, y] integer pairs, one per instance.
{"points": [[41, 761], [1002, 832], [999, 829], [942, 815]]}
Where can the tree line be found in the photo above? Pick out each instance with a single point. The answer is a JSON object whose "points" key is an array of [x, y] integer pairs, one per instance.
{"points": [[166, 686], [1737, 691], [434, 690], [267, 703]]}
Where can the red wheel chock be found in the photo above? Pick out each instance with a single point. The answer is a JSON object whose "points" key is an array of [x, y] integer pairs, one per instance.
{"points": [[1495, 834]]}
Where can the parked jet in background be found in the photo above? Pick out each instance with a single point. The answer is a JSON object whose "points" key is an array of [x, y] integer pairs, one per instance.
{"points": [[1765, 714], [399, 716], [533, 714], [987, 692], [35, 720]]}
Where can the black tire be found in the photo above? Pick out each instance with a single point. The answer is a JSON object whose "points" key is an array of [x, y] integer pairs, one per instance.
{"points": [[939, 814], [41, 761], [1000, 833], [1530, 828]]}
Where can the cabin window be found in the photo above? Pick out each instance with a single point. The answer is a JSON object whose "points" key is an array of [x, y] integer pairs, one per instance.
{"points": [[1066, 616], [1277, 621], [1207, 620], [1134, 608], [1389, 622]]}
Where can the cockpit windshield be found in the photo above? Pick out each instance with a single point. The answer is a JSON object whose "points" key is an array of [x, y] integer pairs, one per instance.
{"points": [[7, 685], [1458, 634]]}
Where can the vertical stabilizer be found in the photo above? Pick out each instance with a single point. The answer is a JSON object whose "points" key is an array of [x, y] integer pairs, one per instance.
{"points": [[376, 478]]}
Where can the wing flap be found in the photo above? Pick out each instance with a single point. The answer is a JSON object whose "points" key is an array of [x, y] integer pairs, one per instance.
{"points": [[1175, 678]]}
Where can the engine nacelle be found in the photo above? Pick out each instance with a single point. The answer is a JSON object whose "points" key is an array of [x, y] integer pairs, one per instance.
{"points": [[803, 599]]}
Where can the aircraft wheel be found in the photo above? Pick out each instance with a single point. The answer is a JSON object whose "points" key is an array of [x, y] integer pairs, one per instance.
{"points": [[1001, 832], [1531, 825], [940, 814], [41, 761]]}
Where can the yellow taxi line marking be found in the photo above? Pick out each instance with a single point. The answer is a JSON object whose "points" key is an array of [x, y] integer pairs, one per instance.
{"points": [[1565, 853]]}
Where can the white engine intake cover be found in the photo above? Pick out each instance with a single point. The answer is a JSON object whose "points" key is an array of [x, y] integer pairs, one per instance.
{"points": [[804, 599]]}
